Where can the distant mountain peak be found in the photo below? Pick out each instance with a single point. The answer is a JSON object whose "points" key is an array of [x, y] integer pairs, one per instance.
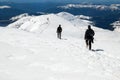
{"points": [[116, 25], [100, 7]]}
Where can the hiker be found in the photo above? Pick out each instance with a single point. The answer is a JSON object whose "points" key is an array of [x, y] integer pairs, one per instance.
{"points": [[89, 37], [59, 31]]}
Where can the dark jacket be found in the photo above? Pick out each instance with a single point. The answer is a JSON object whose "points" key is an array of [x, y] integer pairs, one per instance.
{"points": [[59, 29], [89, 34]]}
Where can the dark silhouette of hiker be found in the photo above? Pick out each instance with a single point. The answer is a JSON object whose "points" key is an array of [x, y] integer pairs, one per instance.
{"points": [[89, 37], [59, 31]]}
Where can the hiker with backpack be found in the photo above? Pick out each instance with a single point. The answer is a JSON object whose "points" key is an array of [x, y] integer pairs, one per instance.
{"points": [[59, 31], [89, 39]]}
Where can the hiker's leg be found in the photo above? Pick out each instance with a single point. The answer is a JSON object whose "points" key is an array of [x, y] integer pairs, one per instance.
{"points": [[86, 43], [60, 35], [90, 46], [57, 35]]}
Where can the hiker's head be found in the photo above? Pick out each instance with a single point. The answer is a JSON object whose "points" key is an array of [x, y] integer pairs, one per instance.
{"points": [[89, 27], [59, 25]]}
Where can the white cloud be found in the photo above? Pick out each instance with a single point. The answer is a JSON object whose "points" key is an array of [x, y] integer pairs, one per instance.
{"points": [[3, 7], [101, 7]]}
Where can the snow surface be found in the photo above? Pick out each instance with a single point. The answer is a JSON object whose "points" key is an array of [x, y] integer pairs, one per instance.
{"points": [[30, 50]]}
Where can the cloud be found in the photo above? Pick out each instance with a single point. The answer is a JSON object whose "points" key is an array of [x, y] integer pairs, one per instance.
{"points": [[61, 0], [3, 7]]}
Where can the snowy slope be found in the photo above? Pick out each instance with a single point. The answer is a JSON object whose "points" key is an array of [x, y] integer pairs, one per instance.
{"points": [[31, 51], [47, 24], [116, 25], [78, 20]]}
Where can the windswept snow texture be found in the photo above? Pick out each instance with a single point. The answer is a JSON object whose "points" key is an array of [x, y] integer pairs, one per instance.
{"points": [[30, 50], [4, 7]]}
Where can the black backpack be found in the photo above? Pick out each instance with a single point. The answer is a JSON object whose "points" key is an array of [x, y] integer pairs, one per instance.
{"points": [[59, 29], [89, 34]]}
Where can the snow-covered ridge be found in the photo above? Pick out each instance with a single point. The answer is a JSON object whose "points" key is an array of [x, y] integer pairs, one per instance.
{"points": [[83, 17], [68, 16], [4, 7], [19, 17], [116, 25], [101, 7], [39, 23]]}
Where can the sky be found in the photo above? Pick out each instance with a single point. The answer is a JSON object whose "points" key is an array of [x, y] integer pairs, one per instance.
{"points": [[61, 0]]}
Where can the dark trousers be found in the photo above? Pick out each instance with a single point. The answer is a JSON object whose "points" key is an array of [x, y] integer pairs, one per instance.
{"points": [[88, 43], [59, 35]]}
